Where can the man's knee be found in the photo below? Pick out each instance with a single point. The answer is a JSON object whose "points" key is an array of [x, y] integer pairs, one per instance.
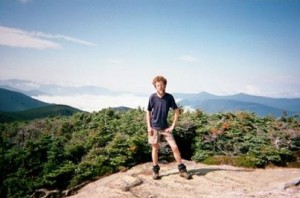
{"points": [[174, 148], [155, 147]]}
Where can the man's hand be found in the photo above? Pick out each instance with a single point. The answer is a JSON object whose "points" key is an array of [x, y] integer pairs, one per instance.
{"points": [[150, 131], [169, 130]]}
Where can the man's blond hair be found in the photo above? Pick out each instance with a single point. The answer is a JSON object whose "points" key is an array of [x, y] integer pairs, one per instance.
{"points": [[158, 79]]}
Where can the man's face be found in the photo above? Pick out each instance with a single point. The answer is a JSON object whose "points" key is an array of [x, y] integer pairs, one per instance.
{"points": [[160, 87]]}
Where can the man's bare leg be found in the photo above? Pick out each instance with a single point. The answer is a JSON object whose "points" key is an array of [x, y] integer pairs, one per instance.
{"points": [[155, 148], [181, 167], [175, 151]]}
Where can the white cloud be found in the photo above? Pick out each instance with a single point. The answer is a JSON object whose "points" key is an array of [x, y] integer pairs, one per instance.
{"points": [[59, 36], [18, 38], [251, 89], [189, 58], [38, 40]]}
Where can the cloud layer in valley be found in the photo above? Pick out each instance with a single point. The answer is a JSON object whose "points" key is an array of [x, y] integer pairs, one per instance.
{"points": [[92, 103]]}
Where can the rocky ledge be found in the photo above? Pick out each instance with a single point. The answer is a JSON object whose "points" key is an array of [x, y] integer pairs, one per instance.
{"points": [[220, 181]]}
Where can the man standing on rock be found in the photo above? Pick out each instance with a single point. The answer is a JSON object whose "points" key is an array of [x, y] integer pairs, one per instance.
{"points": [[158, 127]]}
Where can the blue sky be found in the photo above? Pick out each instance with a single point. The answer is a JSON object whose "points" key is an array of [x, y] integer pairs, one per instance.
{"points": [[219, 46]]}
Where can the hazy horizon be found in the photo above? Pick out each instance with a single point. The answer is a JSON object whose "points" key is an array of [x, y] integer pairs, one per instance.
{"points": [[92, 98], [29, 85]]}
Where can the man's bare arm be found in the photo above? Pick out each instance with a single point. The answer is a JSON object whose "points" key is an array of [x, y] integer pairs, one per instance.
{"points": [[175, 118], [148, 118]]}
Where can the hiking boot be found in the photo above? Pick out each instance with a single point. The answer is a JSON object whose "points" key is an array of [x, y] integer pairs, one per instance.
{"points": [[185, 175], [183, 172], [155, 170]]}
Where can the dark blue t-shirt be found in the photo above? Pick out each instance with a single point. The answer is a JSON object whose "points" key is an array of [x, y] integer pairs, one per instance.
{"points": [[159, 108]]}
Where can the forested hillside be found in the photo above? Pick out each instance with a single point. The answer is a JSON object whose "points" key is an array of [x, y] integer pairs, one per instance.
{"points": [[62, 152], [15, 106], [50, 110], [14, 101]]}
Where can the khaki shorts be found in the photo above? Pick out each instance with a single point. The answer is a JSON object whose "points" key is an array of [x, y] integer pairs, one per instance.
{"points": [[159, 135]]}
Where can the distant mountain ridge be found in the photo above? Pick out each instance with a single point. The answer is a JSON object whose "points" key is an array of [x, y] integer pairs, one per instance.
{"points": [[205, 101], [240, 102], [31, 88]]}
